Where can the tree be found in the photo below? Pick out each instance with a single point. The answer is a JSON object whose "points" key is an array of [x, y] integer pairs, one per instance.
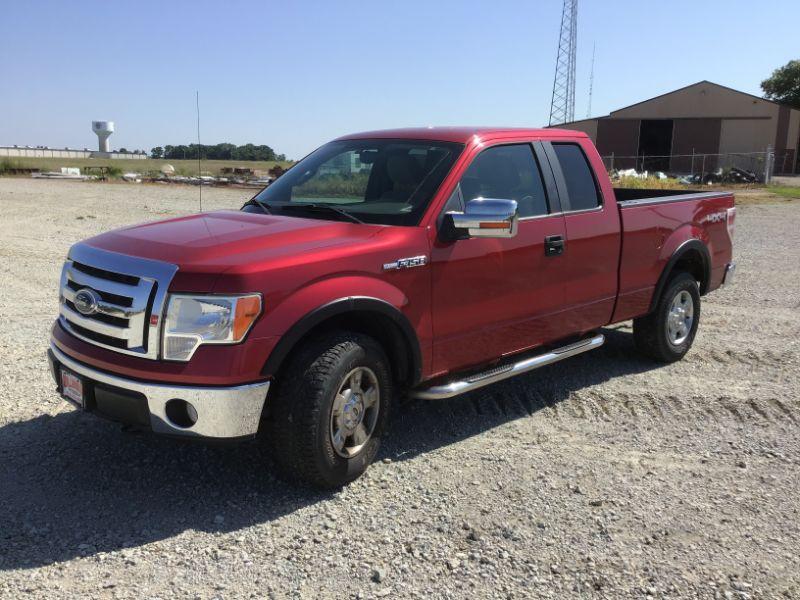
{"points": [[224, 151], [177, 152], [220, 151], [784, 84]]}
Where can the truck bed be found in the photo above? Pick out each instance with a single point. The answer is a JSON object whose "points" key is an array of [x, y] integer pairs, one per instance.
{"points": [[655, 224], [637, 196]]}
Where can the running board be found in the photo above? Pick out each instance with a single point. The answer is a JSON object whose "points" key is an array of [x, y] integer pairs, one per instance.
{"points": [[479, 380]]}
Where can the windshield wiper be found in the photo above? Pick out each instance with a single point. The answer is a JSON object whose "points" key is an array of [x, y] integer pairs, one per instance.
{"points": [[323, 207], [264, 206]]}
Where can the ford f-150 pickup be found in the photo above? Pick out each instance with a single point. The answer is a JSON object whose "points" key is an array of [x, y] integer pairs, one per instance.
{"points": [[415, 262]]}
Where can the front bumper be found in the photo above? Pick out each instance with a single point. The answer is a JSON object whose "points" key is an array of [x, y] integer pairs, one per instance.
{"points": [[222, 412]]}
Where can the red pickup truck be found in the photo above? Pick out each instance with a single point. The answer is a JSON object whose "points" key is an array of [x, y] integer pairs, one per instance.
{"points": [[416, 262]]}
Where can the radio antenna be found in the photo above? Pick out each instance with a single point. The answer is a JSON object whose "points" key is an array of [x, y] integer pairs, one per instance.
{"points": [[199, 149], [591, 84]]}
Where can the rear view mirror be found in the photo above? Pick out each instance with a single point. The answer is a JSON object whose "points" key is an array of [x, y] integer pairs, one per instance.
{"points": [[483, 217]]}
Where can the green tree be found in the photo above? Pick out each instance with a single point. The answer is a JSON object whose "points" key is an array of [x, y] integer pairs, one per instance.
{"points": [[223, 151], [784, 84], [220, 151], [179, 152]]}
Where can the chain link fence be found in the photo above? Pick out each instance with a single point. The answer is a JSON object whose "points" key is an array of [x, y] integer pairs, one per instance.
{"points": [[736, 166], [786, 163]]}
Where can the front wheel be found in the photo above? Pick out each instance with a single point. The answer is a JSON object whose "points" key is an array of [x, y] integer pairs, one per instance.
{"points": [[668, 332], [331, 408]]}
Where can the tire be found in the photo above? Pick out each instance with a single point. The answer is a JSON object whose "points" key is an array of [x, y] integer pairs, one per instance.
{"points": [[311, 444], [666, 334]]}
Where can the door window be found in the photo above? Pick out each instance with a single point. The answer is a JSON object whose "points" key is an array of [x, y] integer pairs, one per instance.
{"points": [[509, 173]]}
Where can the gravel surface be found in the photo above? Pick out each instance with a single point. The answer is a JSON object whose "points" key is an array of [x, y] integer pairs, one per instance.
{"points": [[603, 476]]}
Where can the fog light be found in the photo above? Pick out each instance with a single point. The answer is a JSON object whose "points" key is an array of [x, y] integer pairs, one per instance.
{"points": [[180, 413]]}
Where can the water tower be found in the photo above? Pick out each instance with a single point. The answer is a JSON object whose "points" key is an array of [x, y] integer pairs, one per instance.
{"points": [[103, 129]]}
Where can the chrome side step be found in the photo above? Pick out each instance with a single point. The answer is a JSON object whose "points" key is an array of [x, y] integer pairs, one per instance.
{"points": [[479, 380]]}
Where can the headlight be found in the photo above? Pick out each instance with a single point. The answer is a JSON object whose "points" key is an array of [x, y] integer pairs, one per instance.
{"points": [[195, 320]]}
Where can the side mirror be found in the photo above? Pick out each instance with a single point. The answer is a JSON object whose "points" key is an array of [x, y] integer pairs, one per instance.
{"points": [[485, 218]]}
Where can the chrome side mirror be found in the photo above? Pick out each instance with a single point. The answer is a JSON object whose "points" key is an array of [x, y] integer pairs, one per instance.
{"points": [[484, 217]]}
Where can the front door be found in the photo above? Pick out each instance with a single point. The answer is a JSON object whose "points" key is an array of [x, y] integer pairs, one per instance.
{"points": [[495, 296]]}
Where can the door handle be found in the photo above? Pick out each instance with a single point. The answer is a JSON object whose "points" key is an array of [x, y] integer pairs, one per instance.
{"points": [[553, 245]]}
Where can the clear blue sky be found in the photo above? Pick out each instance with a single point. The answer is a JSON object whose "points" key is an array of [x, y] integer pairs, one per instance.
{"points": [[294, 74]]}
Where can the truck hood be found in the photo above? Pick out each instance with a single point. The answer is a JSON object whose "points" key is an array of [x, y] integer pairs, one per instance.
{"points": [[214, 241]]}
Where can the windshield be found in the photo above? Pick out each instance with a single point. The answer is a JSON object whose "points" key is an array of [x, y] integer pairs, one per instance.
{"points": [[388, 182]]}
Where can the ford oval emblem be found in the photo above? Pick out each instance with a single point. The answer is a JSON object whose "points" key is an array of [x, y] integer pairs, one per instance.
{"points": [[86, 301]]}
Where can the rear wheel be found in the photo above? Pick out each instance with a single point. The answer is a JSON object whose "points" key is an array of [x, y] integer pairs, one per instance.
{"points": [[331, 408], [668, 332]]}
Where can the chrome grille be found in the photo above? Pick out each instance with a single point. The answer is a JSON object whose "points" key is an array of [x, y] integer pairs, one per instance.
{"points": [[127, 293]]}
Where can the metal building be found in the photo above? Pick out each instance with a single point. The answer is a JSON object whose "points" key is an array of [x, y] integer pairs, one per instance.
{"points": [[704, 122]]}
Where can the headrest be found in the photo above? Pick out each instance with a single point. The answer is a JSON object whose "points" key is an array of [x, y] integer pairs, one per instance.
{"points": [[403, 169]]}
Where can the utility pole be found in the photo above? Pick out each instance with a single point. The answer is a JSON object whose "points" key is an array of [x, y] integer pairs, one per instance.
{"points": [[562, 105]]}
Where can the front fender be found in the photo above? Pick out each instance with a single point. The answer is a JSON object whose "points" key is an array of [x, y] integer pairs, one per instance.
{"points": [[282, 317], [303, 310]]}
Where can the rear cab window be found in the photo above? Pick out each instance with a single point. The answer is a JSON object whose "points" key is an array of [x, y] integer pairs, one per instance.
{"points": [[579, 178]]}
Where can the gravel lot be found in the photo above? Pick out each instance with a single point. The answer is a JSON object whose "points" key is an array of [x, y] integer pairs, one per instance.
{"points": [[604, 476]]}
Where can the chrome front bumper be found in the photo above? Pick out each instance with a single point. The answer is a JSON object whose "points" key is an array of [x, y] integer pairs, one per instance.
{"points": [[222, 412]]}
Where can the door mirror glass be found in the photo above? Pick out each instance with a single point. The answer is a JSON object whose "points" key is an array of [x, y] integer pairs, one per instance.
{"points": [[484, 217]]}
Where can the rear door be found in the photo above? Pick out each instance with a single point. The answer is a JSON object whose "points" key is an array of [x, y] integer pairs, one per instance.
{"points": [[592, 225], [494, 296]]}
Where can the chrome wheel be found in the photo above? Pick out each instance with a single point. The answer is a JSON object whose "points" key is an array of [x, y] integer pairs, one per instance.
{"points": [[680, 318], [354, 412]]}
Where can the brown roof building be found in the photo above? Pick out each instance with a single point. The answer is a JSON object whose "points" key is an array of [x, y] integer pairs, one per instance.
{"points": [[666, 133]]}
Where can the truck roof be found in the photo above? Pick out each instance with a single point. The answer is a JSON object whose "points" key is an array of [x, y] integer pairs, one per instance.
{"points": [[461, 134]]}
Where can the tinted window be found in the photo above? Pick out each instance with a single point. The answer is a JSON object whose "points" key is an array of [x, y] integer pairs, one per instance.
{"points": [[581, 186], [383, 181], [509, 173]]}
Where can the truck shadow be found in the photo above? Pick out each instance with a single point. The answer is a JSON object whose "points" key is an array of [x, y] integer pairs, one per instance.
{"points": [[72, 485], [424, 425]]}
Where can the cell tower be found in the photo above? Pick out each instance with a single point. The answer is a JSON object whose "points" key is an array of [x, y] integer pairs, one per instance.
{"points": [[562, 106]]}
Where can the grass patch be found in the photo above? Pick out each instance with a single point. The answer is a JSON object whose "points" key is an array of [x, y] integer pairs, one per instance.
{"points": [[792, 193], [651, 183], [9, 165], [144, 166]]}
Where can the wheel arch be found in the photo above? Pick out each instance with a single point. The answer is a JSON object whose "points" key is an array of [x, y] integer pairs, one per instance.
{"points": [[691, 256], [371, 316]]}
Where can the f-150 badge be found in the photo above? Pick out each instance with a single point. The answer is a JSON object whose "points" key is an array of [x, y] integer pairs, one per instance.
{"points": [[406, 263]]}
